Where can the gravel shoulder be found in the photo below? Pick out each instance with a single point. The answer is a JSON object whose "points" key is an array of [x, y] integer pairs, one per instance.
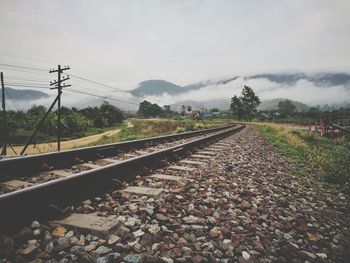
{"points": [[245, 205]]}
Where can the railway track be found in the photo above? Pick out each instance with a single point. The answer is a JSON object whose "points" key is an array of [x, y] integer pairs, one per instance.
{"points": [[93, 171], [22, 172]]}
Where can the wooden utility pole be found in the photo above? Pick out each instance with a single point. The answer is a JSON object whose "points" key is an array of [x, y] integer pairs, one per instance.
{"points": [[4, 135], [59, 86]]}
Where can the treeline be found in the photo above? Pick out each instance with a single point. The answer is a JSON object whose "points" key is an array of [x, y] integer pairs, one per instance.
{"points": [[286, 112], [74, 122], [153, 110]]}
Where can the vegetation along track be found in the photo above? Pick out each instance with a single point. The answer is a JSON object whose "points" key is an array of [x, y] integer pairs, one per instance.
{"points": [[23, 204]]}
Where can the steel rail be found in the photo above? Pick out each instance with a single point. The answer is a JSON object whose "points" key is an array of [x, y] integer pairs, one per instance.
{"points": [[21, 205], [27, 165]]}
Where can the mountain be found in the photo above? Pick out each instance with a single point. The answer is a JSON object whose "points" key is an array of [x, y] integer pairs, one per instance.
{"points": [[24, 95], [321, 79], [156, 87], [267, 105]]}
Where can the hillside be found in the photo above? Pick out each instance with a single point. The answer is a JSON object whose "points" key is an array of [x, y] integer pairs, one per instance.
{"points": [[24, 95], [156, 87]]}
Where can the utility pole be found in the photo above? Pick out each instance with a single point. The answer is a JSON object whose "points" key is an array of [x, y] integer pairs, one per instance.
{"points": [[4, 135], [58, 85]]}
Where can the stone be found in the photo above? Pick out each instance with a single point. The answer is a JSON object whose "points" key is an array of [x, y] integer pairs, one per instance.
{"points": [[36, 232], [59, 232], [322, 255], [153, 229], [29, 249], [63, 243], [214, 233], [103, 250], [167, 260], [132, 258], [161, 217], [35, 224], [138, 233], [113, 239], [245, 255], [49, 248]]}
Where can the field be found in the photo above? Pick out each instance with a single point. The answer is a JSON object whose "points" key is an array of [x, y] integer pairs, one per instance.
{"points": [[329, 158]]}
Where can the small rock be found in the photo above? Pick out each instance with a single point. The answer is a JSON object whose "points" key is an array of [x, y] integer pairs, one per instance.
{"points": [[132, 258], [36, 232], [167, 260], [29, 249], [214, 233], [309, 254], [153, 229], [49, 247], [245, 255], [161, 217], [59, 232], [35, 224], [69, 234], [113, 239], [322, 255], [103, 250], [138, 233]]}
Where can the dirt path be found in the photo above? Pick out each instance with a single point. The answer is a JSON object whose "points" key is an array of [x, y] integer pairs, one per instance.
{"points": [[65, 145]]}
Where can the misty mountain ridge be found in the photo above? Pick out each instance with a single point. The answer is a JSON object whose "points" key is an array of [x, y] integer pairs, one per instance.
{"points": [[217, 93], [24, 95], [159, 87]]}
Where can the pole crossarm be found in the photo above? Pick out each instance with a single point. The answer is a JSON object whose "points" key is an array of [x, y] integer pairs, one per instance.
{"points": [[56, 82]]}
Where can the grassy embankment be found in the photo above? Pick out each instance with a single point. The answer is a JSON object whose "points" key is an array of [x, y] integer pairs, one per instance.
{"points": [[138, 129], [330, 157]]}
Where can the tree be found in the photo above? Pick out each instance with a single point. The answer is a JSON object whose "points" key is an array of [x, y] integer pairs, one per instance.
{"points": [[246, 104], [147, 109], [214, 110], [250, 102], [236, 107], [286, 107]]}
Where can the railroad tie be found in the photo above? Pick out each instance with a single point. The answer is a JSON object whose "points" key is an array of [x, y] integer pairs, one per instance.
{"points": [[181, 168], [167, 177], [110, 160], [199, 156], [140, 190], [16, 184], [90, 223], [90, 165], [192, 163], [206, 153], [60, 173], [129, 155]]}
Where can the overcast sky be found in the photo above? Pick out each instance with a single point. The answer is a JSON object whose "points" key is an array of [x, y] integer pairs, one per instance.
{"points": [[181, 41]]}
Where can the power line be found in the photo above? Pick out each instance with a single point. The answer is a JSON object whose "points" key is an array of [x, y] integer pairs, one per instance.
{"points": [[100, 96], [12, 99], [22, 67], [99, 83], [23, 70]]}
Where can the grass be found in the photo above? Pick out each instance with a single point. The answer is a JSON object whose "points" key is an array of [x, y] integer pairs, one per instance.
{"points": [[331, 157], [143, 128]]}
